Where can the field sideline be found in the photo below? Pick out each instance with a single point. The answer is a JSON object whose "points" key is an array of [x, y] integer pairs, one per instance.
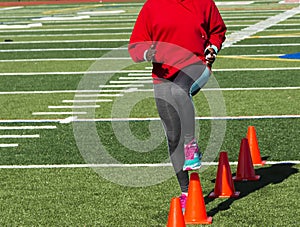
{"points": [[81, 143]]}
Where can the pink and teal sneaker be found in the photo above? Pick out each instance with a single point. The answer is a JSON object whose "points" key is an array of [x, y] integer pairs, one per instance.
{"points": [[192, 156]]}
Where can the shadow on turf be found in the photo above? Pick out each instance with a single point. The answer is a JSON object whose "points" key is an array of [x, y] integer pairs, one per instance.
{"points": [[274, 174]]}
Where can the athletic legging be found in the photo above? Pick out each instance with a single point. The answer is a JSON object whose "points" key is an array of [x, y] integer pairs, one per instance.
{"points": [[176, 110]]}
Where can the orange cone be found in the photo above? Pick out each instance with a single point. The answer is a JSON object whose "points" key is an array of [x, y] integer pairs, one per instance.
{"points": [[195, 211], [176, 218], [254, 149], [224, 187], [245, 169]]}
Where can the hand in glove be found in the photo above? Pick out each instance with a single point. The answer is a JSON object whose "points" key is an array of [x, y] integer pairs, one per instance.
{"points": [[210, 56]]}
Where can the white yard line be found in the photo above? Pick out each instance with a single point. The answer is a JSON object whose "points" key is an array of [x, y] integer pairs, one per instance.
{"points": [[11, 8], [18, 136], [62, 49], [266, 45], [3, 145], [67, 41], [59, 113], [138, 71], [26, 127], [122, 48], [120, 165], [258, 27], [74, 107], [117, 58], [69, 29], [131, 119], [197, 118], [87, 101], [68, 35], [122, 85], [68, 91], [149, 81], [129, 90]]}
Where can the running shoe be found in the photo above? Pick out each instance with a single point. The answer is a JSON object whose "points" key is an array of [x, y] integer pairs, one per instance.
{"points": [[192, 156]]}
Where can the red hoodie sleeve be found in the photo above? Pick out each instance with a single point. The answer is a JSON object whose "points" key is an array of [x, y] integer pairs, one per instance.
{"points": [[140, 39], [217, 27]]}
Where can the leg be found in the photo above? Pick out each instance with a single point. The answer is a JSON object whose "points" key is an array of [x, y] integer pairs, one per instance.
{"points": [[189, 81], [168, 113]]}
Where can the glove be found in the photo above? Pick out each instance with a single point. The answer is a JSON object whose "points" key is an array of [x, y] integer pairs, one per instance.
{"points": [[210, 56], [150, 53]]}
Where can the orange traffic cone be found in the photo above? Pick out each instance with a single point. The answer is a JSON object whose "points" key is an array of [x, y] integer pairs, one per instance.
{"points": [[224, 187], [245, 169], [176, 218], [254, 149], [195, 211]]}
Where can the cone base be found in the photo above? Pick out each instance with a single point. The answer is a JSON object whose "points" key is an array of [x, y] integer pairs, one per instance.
{"points": [[260, 163], [214, 195], [254, 178], [207, 221]]}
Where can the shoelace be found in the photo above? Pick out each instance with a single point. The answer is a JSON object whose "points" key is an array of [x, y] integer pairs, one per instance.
{"points": [[190, 150]]}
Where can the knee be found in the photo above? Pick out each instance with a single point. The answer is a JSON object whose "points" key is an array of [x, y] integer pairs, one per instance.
{"points": [[180, 94]]}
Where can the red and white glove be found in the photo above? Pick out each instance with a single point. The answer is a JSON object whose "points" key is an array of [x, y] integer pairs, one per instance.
{"points": [[210, 56], [150, 53]]}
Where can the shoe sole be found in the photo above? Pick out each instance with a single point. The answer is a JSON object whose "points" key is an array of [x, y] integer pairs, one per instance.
{"points": [[188, 168]]}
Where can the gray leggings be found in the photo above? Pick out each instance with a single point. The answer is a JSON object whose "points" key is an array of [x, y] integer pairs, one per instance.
{"points": [[175, 107]]}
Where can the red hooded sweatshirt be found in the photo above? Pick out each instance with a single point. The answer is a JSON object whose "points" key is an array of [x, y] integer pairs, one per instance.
{"points": [[180, 31]]}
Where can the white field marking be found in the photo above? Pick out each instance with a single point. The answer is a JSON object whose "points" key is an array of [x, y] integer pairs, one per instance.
{"points": [[68, 91], [67, 41], [25, 127], [68, 120], [251, 89], [61, 18], [32, 121], [8, 145], [147, 119], [87, 101], [18, 136], [62, 49], [136, 78], [234, 3], [68, 35], [11, 8], [99, 95], [139, 74], [68, 73], [120, 165], [237, 89], [59, 113], [258, 27], [266, 45], [96, 13], [92, 22], [244, 17], [197, 118], [73, 107], [65, 59], [282, 30], [150, 81], [137, 71], [289, 2], [274, 36], [122, 85], [133, 90], [5, 26], [127, 58], [257, 69], [70, 29]]}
